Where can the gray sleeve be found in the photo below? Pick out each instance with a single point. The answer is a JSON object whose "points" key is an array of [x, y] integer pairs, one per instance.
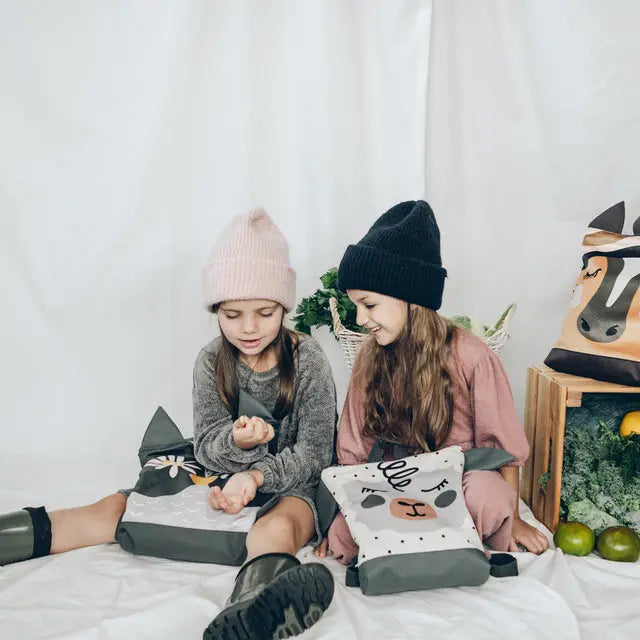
{"points": [[301, 464], [212, 424]]}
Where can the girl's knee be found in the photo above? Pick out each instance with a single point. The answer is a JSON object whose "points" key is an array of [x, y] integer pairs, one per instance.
{"points": [[273, 527], [488, 488]]}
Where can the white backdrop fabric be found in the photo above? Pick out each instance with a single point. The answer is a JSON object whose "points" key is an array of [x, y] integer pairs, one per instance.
{"points": [[532, 131], [131, 133]]}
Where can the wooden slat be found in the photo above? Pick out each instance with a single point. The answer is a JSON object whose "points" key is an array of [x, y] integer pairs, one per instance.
{"points": [[557, 413], [574, 398], [531, 405], [541, 445]]}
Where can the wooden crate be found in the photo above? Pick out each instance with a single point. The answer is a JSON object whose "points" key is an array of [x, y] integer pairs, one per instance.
{"points": [[548, 395]]}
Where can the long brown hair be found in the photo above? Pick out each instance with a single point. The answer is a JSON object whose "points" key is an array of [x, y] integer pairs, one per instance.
{"points": [[285, 346], [409, 399]]}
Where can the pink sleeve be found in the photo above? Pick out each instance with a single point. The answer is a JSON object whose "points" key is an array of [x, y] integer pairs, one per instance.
{"points": [[496, 423], [351, 445]]}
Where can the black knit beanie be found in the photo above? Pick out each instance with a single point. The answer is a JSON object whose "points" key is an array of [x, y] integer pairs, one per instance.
{"points": [[399, 257]]}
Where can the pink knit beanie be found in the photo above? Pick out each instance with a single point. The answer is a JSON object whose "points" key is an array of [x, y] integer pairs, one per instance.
{"points": [[249, 261]]}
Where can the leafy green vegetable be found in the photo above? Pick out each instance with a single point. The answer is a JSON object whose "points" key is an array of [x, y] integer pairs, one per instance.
{"points": [[601, 470], [586, 512], [314, 310]]}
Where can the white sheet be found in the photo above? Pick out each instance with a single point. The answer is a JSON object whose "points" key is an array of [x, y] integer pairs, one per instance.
{"points": [[104, 593]]}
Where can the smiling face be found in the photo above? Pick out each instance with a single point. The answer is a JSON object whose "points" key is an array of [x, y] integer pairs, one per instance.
{"points": [[417, 501], [250, 325], [385, 317]]}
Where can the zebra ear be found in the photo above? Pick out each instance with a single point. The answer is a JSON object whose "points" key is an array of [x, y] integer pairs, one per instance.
{"points": [[610, 220], [636, 227]]}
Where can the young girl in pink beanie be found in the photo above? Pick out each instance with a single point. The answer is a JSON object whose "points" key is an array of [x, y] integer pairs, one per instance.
{"points": [[249, 284]]}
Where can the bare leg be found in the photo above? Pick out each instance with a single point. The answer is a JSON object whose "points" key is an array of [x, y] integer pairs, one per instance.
{"points": [[284, 529], [86, 526]]}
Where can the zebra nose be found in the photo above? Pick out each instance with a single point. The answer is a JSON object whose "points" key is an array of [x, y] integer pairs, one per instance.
{"points": [[610, 331]]}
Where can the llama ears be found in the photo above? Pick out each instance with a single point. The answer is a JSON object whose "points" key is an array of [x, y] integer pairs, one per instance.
{"points": [[612, 220], [162, 435], [486, 458]]}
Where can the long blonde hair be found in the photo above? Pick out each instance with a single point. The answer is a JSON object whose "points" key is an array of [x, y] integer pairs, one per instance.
{"points": [[408, 398], [285, 346]]}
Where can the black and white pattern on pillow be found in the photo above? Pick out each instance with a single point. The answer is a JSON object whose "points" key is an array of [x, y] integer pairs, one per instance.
{"points": [[410, 520]]}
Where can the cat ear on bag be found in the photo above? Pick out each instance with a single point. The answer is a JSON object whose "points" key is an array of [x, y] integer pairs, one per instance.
{"points": [[163, 436]]}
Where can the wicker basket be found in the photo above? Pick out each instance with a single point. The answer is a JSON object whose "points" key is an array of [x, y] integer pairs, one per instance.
{"points": [[351, 341]]}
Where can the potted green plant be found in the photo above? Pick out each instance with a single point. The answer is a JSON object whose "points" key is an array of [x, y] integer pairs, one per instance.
{"points": [[314, 310]]}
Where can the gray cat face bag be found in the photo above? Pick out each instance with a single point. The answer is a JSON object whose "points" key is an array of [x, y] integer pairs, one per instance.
{"points": [[411, 523], [167, 514]]}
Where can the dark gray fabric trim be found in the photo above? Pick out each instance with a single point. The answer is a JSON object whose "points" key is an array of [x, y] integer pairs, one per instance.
{"points": [[503, 565], [41, 531], [179, 543], [486, 459], [327, 508], [429, 570]]}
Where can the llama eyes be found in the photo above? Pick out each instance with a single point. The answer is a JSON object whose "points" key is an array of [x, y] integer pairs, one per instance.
{"points": [[588, 275], [367, 490], [437, 487]]}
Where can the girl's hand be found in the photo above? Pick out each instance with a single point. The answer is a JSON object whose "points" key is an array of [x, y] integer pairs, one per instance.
{"points": [[529, 537], [322, 549], [237, 493], [250, 432]]}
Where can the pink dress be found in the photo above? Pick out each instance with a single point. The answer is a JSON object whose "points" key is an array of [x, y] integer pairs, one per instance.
{"points": [[484, 415]]}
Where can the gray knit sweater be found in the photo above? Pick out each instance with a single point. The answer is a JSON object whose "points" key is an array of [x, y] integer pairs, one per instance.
{"points": [[305, 440]]}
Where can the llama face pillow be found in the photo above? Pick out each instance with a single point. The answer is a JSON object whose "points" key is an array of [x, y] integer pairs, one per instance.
{"points": [[411, 522]]}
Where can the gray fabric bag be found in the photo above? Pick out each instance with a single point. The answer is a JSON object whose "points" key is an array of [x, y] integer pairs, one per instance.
{"points": [[167, 514], [410, 520]]}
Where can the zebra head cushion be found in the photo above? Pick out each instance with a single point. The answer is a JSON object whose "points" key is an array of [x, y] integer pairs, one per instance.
{"points": [[410, 520], [601, 332]]}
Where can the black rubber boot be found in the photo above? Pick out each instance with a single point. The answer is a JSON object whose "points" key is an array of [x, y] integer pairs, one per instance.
{"points": [[24, 534], [274, 597]]}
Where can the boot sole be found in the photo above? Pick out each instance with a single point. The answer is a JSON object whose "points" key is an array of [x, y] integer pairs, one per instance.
{"points": [[292, 602]]}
